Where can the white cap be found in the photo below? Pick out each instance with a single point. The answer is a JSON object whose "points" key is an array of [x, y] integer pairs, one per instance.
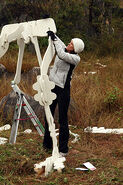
{"points": [[78, 45]]}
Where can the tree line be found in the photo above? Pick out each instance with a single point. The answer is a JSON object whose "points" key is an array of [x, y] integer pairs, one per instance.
{"points": [[92, 20]]}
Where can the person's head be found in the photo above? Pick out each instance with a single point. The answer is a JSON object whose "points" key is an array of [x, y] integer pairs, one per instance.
{"points": [[76, 45]]}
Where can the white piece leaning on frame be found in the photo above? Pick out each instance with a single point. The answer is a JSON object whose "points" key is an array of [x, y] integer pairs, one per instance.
{"points": [[23, 33]]}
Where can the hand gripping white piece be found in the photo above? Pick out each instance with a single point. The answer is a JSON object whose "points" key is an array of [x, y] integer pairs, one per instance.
{"points": [[45, 98]]}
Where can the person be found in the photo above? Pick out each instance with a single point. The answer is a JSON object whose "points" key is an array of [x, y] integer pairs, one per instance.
{"points": [[66, 60]]}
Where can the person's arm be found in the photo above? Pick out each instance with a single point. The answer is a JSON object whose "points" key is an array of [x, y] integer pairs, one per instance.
{"points": [[60, 49], [67, 57], [60, 42], [54, 37]]}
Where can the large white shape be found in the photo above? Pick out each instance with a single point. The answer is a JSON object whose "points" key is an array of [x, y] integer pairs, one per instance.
{"points": [[45, 98], [24, 33]]}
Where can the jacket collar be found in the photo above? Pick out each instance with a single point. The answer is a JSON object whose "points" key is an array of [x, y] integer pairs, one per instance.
{"points": [[72, 52]]}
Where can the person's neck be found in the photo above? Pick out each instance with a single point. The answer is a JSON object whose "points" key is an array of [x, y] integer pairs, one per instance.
{"points": [[71, 52]]}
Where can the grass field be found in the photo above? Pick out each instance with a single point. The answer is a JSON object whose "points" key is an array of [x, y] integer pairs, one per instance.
{"points": [[99, 102], [105, 152]]}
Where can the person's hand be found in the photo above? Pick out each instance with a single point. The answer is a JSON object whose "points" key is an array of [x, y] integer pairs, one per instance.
{"points": [[51, 34]]}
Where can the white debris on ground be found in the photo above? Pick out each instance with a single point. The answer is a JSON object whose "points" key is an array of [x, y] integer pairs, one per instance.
{"points": [[5, 127], [103, 130], [3, 140], [27, 131], [91, 72], [100, 65], [88, 166], [76, 137], [82, 169]]}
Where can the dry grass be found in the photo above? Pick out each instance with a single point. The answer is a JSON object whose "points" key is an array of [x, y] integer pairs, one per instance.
{"points": [[121, 4], [99, 96], [9, 60], [99, 101]]}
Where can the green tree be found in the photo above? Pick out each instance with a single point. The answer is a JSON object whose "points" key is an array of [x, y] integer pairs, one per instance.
{"points": [[100, 16]]}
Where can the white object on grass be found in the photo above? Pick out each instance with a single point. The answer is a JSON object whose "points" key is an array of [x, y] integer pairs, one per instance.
{"points": [[103, 130], [3, 140], [91, 72], [5, 127], [89, 166], [82, 169], [27, 131], [100, 65], [76, 137]]}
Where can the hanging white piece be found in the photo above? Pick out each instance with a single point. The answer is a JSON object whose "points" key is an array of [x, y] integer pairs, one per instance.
{"points": [[102, 130], [45, 98], [44, 87]]}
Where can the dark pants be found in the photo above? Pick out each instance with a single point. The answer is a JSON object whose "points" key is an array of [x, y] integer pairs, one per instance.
{"points": [[63, 100]]}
